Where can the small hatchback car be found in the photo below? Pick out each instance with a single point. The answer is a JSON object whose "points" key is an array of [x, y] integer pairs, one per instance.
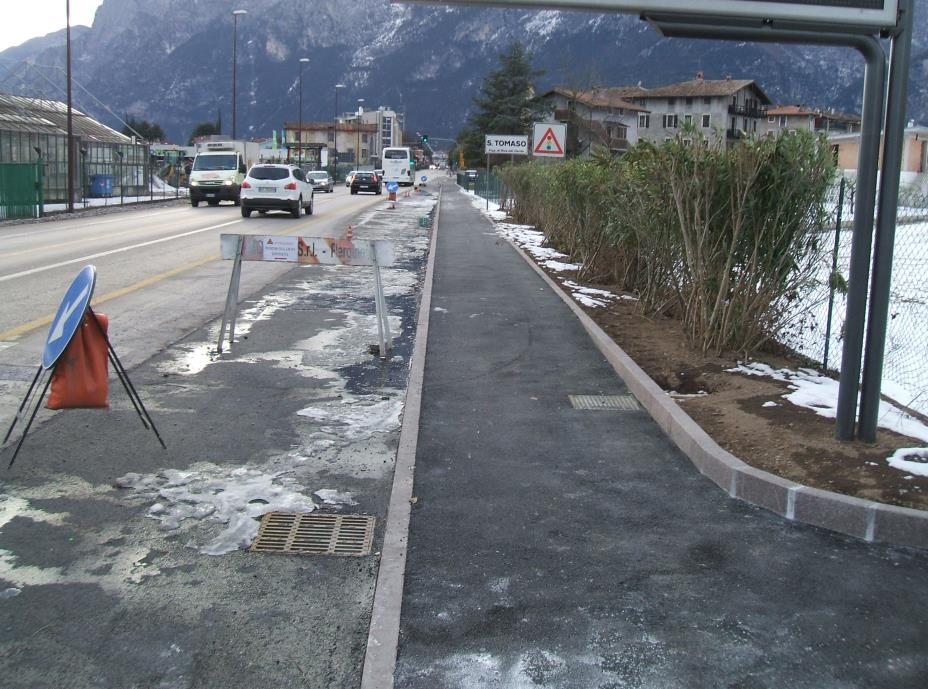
{"points": [[321, 181], [366, 181], [274, 187]]}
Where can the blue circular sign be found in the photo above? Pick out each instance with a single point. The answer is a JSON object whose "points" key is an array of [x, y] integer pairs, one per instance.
{"points": [[423, 178], [69, 316], [392, 186]]}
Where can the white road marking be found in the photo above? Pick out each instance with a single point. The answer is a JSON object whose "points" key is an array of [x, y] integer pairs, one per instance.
{"points": [[58, 329], [41, 269]]}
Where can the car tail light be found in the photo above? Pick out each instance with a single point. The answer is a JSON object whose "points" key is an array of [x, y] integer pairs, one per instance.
{"points": [[246, 185], [291, 186]]}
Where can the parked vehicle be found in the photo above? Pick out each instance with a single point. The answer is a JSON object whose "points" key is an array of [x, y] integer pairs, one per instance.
{"points": [[321, 181], [366, 181], [398, 165], [218, 170], [349, 177], [271, 187]]}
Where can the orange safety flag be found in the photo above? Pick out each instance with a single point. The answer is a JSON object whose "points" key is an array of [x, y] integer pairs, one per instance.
{"points": [[81, 377]]}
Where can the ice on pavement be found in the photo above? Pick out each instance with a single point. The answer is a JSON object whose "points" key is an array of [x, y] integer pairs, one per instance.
{"points": [[357, 418]]}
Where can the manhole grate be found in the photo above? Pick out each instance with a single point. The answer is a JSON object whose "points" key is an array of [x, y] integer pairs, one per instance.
{"points": [[620, 402], [315, 533]]}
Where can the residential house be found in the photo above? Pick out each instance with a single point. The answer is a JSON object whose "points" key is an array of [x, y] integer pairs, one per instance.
{"points": [[791, 118], [602, 117], [319, 144], [618, 117], [732, 107]]}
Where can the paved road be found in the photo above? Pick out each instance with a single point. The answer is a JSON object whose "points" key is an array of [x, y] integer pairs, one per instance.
{"points": [[159, 276], [143, 585], [555, 547]]}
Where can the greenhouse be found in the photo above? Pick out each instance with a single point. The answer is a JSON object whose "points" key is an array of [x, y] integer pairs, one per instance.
{"points": [[107, 163]]}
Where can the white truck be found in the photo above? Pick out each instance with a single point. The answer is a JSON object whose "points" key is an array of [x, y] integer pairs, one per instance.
{"points": [[219, 169]]}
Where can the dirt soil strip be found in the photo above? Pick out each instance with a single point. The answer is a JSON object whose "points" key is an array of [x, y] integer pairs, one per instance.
{"points": [[864, 519]]}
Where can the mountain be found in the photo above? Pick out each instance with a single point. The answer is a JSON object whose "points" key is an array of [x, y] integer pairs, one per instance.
{"points": [[170, 61]]}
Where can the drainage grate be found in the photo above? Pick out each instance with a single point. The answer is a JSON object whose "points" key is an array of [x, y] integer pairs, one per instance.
{"points": [[620, 402], [315, 534]]}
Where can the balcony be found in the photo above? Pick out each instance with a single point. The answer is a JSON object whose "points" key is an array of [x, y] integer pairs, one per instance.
{"points": [[735, 134], [746, 111]]}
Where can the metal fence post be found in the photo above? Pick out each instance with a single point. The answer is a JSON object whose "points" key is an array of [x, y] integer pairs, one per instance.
{"points": [[834, 269]]}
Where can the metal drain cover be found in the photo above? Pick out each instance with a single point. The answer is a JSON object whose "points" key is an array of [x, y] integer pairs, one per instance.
{"points": [[315, 533], [620, 402]]}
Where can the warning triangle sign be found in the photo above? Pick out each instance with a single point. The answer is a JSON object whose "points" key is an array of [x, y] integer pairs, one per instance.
{"points": [[548, 144]]}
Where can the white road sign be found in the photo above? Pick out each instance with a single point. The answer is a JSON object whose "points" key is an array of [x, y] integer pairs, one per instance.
{"points": [[509, 144]]}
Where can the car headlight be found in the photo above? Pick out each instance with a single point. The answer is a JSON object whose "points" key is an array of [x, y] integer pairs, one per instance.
{"points": [[227, 183], [194, 183]]}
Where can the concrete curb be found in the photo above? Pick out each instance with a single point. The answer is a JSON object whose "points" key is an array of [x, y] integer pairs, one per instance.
{"points": [[383, 634], [864, 519]]}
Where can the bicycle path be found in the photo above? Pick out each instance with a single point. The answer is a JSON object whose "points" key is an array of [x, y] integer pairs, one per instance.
{"points": [[551, 546]]}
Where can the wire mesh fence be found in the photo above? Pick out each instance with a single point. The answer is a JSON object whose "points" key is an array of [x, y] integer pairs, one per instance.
{"points": [[818, 330], [484, 184]]}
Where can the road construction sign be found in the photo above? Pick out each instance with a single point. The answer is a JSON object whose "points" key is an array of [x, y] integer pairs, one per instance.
{"points": [[549, 139], [308, 250]]}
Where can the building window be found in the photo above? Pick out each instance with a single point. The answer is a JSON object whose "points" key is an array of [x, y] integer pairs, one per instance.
{"points": [[782, 120], [707, 121], [671, 101], [670, 121], [331, 135], [689, 101], [687, 120], [771, 119], [644, 121], [707, 101]]}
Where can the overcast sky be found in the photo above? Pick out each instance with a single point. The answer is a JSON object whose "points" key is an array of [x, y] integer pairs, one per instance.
{"points": [[25, 19]]}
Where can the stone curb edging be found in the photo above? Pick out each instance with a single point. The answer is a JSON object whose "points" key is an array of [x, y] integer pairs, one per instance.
{"points": [[865, 519], [383, 633]]}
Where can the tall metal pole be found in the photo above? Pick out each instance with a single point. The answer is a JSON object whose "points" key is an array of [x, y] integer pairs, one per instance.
{"points": [[894, 137], [358, 124], [337, 86], [299, 141], [235, 16], [70, 155]]}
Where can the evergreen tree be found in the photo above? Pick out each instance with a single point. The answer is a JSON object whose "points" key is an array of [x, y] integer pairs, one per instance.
{"points": [[203, 129], [504, 104], [149, 131]]}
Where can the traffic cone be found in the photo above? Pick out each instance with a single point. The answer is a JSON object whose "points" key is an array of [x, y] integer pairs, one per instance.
{"points": [[348, 235]]}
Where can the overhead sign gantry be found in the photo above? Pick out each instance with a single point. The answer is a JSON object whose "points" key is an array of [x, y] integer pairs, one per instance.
{"points": [[865, 16]]}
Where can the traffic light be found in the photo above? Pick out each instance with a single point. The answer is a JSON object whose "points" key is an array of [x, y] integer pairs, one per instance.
{"points": [[425, 138]]}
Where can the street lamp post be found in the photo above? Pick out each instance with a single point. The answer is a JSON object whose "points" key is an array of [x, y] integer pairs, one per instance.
{"points": [[358, 124], [335, 156], [70, 158], [235, 16], [299, 140]]}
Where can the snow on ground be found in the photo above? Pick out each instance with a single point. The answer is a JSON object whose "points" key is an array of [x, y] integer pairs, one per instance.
{"points": [[338, 426], [231, 496], [912, 460], [819, 393]]}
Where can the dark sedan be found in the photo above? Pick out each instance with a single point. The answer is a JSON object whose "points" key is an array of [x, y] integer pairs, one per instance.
{"points": [[366, 181]]}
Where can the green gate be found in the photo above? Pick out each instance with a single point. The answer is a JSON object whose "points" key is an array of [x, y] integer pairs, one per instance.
{"points": [[21, 194]]}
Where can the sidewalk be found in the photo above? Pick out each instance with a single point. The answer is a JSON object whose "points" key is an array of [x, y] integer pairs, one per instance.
{"points": [[561, 547]]}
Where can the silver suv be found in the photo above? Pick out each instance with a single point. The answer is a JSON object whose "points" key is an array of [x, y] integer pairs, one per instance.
{"points": [[321, 181], [273, 187]]}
